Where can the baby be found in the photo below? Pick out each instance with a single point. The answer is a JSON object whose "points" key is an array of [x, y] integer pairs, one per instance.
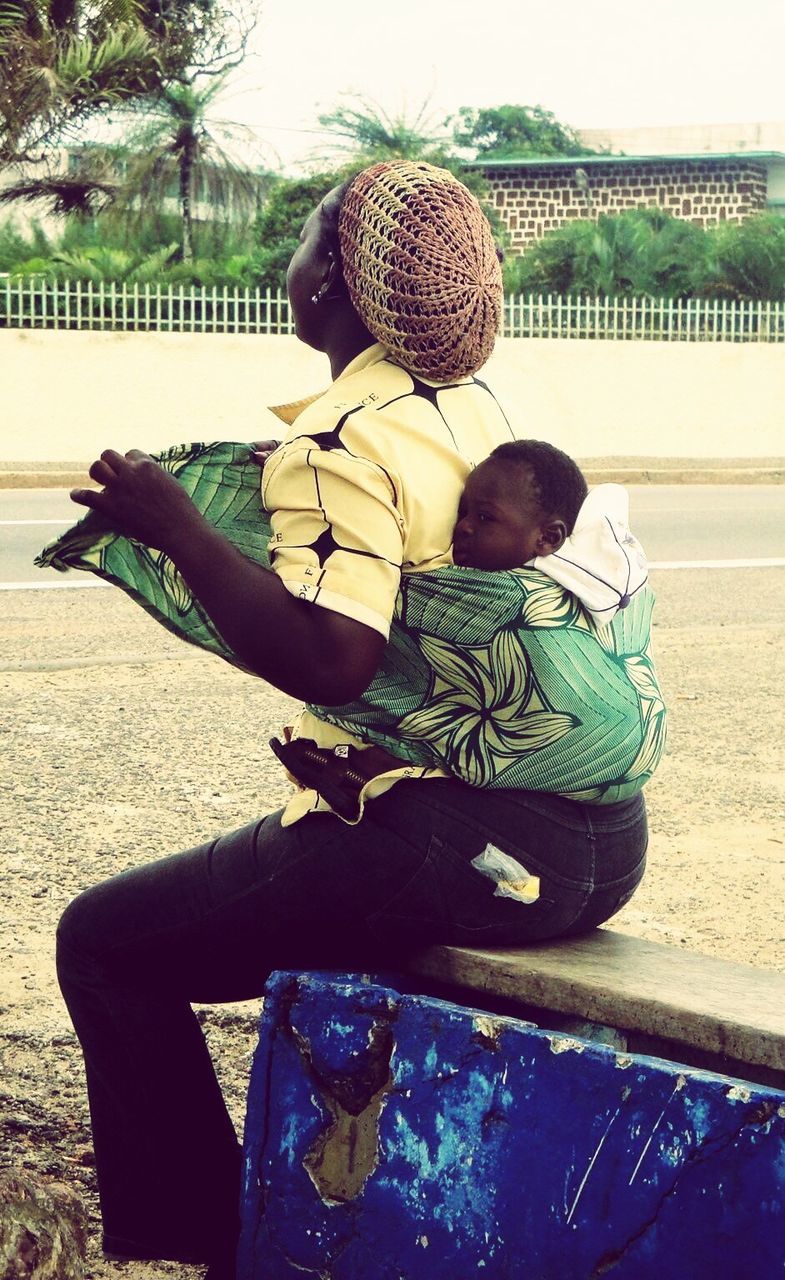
{"points": [[518, 506], [520, 503]]}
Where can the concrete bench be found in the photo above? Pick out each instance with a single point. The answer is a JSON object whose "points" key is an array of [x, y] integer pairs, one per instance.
{"points": [[676, 1004]]}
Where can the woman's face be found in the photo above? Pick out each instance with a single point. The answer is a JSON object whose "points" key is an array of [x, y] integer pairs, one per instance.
{"points": [[314, 269]]}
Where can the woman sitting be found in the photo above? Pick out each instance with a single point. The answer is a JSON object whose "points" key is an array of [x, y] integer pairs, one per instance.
{"points": [[397, 281]]}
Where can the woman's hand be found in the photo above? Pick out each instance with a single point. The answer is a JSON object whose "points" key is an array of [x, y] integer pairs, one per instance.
{"points": [[139, 498], [261, 450]]}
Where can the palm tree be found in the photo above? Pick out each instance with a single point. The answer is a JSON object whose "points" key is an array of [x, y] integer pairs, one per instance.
{"points": [[180, 143], [361, 130], [60, 63]]}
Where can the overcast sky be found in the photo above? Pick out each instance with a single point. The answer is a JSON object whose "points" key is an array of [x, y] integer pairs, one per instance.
{"points": [[592, 62]]}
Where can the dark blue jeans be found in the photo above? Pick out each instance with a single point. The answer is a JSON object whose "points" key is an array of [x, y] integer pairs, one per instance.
{"points": [[210, 924]]}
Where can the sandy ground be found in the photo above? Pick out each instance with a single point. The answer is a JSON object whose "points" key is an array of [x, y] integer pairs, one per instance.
{"points": [[120, 744]]}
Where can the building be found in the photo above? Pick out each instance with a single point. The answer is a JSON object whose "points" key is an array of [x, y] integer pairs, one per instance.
{"points": [[535, 195]]}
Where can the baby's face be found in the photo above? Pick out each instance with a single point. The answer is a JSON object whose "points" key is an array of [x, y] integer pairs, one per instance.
{"points": [[500, 523]]}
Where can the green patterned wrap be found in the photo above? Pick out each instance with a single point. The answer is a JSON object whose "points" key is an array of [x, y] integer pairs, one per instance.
{"points": [[500, 677]]}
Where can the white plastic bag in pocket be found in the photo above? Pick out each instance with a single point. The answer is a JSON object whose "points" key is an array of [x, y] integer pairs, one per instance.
{"points": [[511, 877]]}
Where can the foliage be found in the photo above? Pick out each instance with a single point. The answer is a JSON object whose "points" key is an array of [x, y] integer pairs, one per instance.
{"points": [[103, 265], [513, 131], [642, 251], [100, 265], [647, 252], [223, 246], [179, 147], [747, 260], [59, 63], [361, 129], [16, 246], [62, 62], [279, 223]]}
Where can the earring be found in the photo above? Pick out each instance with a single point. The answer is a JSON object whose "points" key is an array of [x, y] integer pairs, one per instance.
{"points": [[323, 294]]}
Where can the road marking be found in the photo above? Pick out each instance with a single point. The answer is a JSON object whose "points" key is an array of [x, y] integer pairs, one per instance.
{"points": [[772, 562]]}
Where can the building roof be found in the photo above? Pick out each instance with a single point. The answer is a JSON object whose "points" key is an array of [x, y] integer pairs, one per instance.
{"points": [[584, 161]]}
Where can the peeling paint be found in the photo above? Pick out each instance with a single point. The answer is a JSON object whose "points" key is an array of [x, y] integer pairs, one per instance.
{"points": [[564, 1044], [487, 1029], [345, 1154], [481, 1151]]}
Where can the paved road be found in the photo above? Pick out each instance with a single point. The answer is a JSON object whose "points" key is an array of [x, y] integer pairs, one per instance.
{"points": [[675, 523], [709, 522]]}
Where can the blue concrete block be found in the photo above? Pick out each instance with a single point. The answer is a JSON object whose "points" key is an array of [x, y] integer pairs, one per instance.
{"points": [[393, 1137]]}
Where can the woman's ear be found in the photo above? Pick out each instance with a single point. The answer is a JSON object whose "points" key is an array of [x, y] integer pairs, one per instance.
{"points": [[331, 287], [552, 537]]}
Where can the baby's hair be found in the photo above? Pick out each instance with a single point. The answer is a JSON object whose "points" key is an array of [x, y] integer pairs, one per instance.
{"points": [[559, 483]]}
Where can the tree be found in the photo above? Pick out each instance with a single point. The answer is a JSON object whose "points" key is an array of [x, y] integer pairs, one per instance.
{"points": [[62, 61], [178, 142], [58, 64], [359, 128], [279, 223], [513, 131]]}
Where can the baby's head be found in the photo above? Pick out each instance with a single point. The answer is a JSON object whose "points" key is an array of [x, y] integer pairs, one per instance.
{"points": [[521, 502]]}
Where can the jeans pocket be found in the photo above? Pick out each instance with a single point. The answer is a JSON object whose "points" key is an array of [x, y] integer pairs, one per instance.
{"points": [[458, 897]]}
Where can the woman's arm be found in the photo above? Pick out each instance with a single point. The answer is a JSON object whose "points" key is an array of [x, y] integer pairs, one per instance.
{"points": [[307, 651]]}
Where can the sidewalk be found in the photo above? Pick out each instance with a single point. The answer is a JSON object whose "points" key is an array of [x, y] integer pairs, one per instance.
{"points": [[616, 470]]}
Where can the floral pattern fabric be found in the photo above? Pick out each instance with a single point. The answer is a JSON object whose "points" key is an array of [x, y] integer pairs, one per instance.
{"points": [[500, 677]]}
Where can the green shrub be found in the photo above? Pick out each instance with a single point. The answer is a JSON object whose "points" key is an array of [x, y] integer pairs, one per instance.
{"points": [[639, 252], [746, 260]]}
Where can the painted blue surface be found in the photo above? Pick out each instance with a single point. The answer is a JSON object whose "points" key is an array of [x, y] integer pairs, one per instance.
{"points": [[393, 1137]]}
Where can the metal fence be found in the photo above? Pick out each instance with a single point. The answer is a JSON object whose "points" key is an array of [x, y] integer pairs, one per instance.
{"points": [[61, 304], [141, 308], [654, 319]]}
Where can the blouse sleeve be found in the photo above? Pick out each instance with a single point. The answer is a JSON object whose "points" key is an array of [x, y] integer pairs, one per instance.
{"points": [[337, 535]]}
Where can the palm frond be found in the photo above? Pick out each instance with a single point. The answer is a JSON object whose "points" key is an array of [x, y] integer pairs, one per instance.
{"points": [[110, 69], [63, 195]]}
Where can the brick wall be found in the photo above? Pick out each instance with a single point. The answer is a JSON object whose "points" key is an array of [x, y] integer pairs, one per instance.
{"points": [[535, 199]]}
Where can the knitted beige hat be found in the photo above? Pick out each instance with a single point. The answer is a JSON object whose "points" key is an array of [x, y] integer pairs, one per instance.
{"points": [[421, 267]]}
